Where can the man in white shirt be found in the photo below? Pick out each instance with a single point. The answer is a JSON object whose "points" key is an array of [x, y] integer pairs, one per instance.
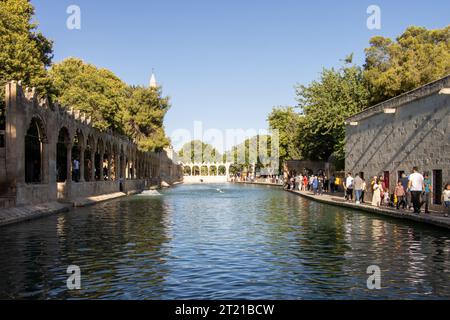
{"points": [[349, 187], [76, 170], [416, 186]]}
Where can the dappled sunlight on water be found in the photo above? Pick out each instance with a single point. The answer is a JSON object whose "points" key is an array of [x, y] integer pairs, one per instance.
{"points": [[222, 242]]}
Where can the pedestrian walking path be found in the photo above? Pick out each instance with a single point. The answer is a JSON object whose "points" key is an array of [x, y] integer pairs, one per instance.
{"points": [[434, 218], [25, 213], [19, 214]]}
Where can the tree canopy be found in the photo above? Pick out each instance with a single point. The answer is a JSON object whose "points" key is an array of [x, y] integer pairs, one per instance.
{"points": [[415, 58], [136, 112], [25, 53], [144, 117], [288, 122], [97, 92], [197, 151], [327, 103]]}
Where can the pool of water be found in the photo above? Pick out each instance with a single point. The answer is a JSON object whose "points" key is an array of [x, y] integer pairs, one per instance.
{"points": [[222, 242]]}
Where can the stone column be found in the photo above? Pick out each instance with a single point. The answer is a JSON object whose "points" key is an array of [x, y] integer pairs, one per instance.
{"points": [[68, 184], [81, 171], [69, 163], [109, 167], [93, 165], [118, 168]]}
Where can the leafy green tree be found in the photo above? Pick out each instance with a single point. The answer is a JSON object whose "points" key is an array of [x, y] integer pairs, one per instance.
{"points": [[248, 153], [415, 58], [25, 53], [144, 117], [199, 152], [327, 103], [97, 92], [288, 123]]}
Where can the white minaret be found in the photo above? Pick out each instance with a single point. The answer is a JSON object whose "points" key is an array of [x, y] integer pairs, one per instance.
{"points": [[153, 83]]}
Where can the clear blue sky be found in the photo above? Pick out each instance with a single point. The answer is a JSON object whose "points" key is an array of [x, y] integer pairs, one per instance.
{"points": [[226, 62]]}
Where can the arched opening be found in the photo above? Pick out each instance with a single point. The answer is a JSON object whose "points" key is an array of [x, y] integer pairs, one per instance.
{"points": [[131, 165], [98, 161], [61, 155], [187, 171], [33, 152], [236, 170], [204, 171], [106, 163], [222, 171], [195, 171], [76, 156], [213, 171], [127, 169]]}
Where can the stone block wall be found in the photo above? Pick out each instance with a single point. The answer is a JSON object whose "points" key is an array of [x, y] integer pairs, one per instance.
{"points": [[417, 134]]}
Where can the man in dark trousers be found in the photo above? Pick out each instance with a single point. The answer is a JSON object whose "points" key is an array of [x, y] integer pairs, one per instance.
{"points": [[416, 186]]}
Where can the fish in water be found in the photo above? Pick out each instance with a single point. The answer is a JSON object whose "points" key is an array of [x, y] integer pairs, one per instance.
{"points": [[219, 190]]}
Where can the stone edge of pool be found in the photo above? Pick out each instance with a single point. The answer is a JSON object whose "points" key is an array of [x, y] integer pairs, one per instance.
{"points": [[26, 213], [433, 220]]}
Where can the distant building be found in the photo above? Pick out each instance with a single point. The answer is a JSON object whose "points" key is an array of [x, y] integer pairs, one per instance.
{"points": [[412, 129]]}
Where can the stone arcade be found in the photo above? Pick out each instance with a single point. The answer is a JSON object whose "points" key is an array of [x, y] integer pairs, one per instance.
{"points": [[43, 143]]}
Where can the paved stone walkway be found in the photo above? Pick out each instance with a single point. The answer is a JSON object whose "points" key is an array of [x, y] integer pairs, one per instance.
{"points": [[434, 218], [83, 202], [18, 214]]}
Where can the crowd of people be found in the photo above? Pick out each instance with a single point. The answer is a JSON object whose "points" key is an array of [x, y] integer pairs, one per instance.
{"points": [[411, 192], [317, 183]]}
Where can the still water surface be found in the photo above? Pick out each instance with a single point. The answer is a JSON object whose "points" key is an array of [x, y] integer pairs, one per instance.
{"points": [[222, 242]]}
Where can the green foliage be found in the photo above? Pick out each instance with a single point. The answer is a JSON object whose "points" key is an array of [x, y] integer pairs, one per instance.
{"points": [[97, 92], [327, 103], [248, 153], [318, 130], [25, 52], [416, 58], [134, 111], [288, 123], [197, 151], [144, 117]]}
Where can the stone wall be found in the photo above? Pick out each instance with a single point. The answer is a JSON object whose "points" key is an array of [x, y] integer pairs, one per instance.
{"points": [[417, 134], [58, 128]]}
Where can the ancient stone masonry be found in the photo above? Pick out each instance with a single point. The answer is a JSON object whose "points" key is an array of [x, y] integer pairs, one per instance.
{"points": [[52, 153], [410, 130]]}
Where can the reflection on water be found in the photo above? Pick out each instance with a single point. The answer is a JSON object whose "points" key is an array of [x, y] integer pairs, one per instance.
{"points": [[248, 242]]}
